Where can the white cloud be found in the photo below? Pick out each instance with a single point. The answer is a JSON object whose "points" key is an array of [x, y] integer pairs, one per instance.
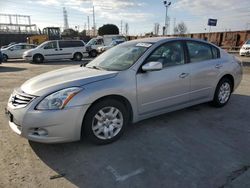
{"points": [[107, 10], [230, 13], [210, 7], [48, 2]]}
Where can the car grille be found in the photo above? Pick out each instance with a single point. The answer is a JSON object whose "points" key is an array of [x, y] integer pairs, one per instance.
{"points": [[247, 48], [20, 100]]}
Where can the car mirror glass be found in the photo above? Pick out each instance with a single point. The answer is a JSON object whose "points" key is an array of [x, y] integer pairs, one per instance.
{"points": [[152, 66]]}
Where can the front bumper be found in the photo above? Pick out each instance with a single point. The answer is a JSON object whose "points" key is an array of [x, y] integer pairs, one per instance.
{"points": [[47, 126], [27, 57], [244, 52]]}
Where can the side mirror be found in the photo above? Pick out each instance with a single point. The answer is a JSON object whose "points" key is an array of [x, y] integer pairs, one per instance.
{"points": [[152, 66]]}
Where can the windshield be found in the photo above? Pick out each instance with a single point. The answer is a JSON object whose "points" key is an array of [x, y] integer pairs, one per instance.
{"points": [[42, 45], [91, 42], [120, 57], [248, 42]]}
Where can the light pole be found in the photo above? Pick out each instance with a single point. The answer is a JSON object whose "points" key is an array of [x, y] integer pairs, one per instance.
{"points": [[166, 4]]}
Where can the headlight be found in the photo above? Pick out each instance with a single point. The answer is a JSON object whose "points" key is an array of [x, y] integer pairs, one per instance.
{"points": [[59, 99]]}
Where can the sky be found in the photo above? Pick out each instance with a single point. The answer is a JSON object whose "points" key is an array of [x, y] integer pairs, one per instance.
{"points": [[140, 15]]}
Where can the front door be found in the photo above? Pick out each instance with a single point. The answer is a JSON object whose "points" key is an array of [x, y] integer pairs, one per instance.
{"points": [[169, 87], [51, 51]]}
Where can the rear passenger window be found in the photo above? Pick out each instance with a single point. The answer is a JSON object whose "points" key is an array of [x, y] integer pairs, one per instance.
{"points": [[70, 44], [216, 52], [199, 51]]}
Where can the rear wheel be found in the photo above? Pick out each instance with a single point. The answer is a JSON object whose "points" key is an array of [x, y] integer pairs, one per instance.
{"points": [[78, 56], [38, 58], [223, 92], [5, 57], [105, 121]]}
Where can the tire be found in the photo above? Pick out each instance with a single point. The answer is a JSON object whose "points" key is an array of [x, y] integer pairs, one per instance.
{"points": [[5, 58], [38, 58], [223, 92], [104, 128], [77, 56], [93, 53]]}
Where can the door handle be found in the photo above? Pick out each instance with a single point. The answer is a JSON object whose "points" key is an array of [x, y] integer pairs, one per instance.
{"points": [[183, 75], [60, 49], [56, 49], [218, 66]]}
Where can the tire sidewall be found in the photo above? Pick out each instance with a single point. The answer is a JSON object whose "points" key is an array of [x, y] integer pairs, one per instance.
{"points": [[87, 123], [93, 53], [77, 54], [4, 58], [216, 100], [35, 58]]}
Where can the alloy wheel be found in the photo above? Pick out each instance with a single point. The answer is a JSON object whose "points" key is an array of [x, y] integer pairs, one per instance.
{"points": [[107, 123], [224, 92]]}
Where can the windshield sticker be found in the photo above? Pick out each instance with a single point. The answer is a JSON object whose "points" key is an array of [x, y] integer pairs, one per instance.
{"points": [[146, 45]]}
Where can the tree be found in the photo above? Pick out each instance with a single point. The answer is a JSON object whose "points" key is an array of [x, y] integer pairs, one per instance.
{"points": [[70, 33], [83, 33], [180, 29], [108, 29]]}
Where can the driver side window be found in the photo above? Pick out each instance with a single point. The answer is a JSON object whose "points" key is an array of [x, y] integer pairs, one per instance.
{"points": [[169, 54], [17, 47], [51, 45]]}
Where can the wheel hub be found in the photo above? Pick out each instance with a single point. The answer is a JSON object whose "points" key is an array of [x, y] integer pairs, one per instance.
{"points": [[107, 123], [224, 92]]}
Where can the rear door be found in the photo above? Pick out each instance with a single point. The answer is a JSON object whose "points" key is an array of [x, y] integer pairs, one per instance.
{"points": [[205, 67], [66, 49], [169, 87]]}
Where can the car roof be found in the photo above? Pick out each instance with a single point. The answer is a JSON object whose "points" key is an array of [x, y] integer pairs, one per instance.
{"points": [[21, 43], [165, 39]]}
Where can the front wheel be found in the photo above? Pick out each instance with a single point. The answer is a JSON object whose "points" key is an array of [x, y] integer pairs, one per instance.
{"points": [[38, 58], [93, 53], [223, 92], [5, 58], [105, 122]]}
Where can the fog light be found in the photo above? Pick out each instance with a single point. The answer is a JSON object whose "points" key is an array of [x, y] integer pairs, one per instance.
{"points": [[39, 132]]}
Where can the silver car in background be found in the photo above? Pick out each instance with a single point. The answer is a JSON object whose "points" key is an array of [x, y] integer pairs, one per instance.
{"points": [[128, 83]]}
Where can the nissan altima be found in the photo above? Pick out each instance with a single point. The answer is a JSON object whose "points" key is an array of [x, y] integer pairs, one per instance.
{"points": [[133, 81]]}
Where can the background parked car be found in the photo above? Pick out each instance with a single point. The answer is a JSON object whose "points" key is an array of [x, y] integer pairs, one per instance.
{"points": [[112, 44], [245, 49], [1, 57], [56, 49], [10, 44], [16, 51], [99, 41]]}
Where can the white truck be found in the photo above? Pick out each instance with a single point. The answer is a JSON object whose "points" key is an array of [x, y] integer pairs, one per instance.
{"points": [[105, 40]]}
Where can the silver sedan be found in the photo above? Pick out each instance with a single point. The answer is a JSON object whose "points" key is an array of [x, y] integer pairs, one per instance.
{"points": [[128, 83]]}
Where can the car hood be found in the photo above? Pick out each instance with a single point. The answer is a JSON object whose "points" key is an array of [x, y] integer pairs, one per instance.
{"points": [[64, 78], [4, 50], [246, 46], [29, 51]]}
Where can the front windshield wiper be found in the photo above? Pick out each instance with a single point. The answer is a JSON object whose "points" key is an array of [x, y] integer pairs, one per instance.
{"points": [[95, 67]]}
